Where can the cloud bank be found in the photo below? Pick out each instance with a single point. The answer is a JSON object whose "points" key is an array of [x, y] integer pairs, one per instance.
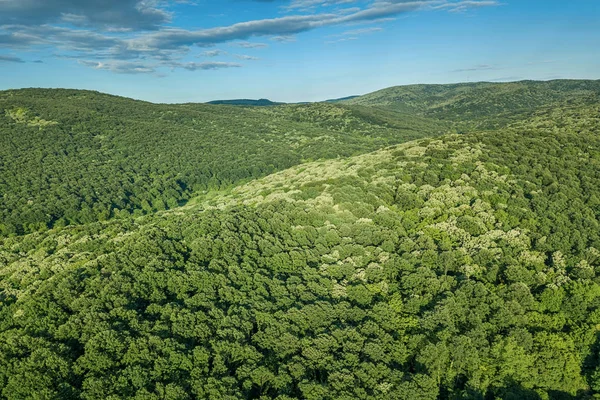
{"points": [[132, 36]]}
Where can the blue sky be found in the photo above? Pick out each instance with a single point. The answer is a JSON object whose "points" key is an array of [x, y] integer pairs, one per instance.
{"points": [[290, 50]]}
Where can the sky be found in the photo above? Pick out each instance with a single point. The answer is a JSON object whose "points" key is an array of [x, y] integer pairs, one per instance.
{"points": [[173, 51]]}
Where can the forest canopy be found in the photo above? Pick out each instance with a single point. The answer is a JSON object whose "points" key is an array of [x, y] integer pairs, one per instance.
{"points": [[74, 157], [456, 265]]}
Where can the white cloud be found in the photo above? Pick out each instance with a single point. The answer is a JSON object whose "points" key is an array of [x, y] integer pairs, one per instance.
{"points": [[131, 36], [214, 53], [246, 57], [192, 66]]}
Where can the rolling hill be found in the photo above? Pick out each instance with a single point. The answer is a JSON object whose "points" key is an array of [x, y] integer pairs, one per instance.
{"points": [[482, 105], [72, 157], [444, 267]]}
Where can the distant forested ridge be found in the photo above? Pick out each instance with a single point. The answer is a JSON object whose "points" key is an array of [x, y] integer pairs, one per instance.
{"points": [[447, 267], [341, 99], [246, 102], [482, 105], [74, 157]]}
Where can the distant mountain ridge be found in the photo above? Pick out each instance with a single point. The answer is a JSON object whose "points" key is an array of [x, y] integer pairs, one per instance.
{"points": [[267, 102], [246, 102], [341, 99]]}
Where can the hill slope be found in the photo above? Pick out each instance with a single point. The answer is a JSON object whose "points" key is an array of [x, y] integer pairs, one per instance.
{"points": [[245, 102], [72, 157], [462, 266], [484, 104]]}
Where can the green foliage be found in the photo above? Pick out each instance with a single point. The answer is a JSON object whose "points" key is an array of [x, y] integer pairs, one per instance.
{"points": [[20, 116], [465, 266], [74, 157], [481, 105]]}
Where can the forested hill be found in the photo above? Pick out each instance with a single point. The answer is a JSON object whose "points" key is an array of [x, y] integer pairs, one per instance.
{"points": [[74, 157], [484, 104], [246, 102], [464, 266]]}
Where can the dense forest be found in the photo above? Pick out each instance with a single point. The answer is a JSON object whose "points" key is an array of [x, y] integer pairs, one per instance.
{"points": [[361, 265], [74, 157], [482, 105]]}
